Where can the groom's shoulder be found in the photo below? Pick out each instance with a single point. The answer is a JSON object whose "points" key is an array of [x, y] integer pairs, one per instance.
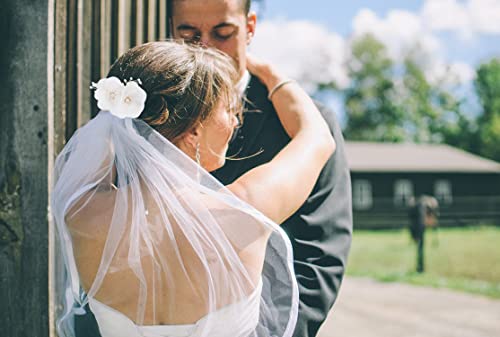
{"points": [[328, 114], [256, 91]]}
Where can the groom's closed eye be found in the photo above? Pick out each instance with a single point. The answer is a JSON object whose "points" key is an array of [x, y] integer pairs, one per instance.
{"points": [[221, 32], [224, 32], [188, 33]]}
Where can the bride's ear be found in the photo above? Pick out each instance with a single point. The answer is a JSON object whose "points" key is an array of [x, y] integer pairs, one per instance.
{"points": [[191, 138]]}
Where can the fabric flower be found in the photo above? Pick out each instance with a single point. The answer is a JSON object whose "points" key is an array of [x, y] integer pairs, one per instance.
{"points": [[108, 92], [122, 101], [132, 101]]}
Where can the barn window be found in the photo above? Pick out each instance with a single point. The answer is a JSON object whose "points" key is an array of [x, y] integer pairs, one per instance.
{"points": [[442, 192], [362, 194], [403, 192]]}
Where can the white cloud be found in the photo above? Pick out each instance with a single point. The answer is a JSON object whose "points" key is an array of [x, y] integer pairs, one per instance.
{"points": [[464, 72], [403, 32], [311, 54], [302, 50], [450, 73], [464, 17], [445, 15], [399, 25]]}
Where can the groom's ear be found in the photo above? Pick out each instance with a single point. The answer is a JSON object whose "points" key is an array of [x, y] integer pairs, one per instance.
{"points": [[251, 23]]}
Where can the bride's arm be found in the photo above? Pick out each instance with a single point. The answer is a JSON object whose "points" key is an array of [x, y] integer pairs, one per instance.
{"points": [[280, 187]]}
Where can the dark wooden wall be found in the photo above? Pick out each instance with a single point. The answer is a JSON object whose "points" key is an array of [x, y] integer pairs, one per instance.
{"points": [[24, 169], [90, 35], [51, 51]]}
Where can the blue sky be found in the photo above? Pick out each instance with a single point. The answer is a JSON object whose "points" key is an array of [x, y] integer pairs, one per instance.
{"points": [[337, 16], [455, 36]]}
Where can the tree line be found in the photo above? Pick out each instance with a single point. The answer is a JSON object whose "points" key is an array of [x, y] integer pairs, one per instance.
{"points": [[393, 101]]}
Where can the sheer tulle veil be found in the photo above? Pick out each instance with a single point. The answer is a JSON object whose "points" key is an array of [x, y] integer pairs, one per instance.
{"points": [[143, 229]]}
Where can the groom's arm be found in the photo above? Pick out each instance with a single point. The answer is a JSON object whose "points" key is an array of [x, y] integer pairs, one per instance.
{"points": [[320, 231], [321, 234]]}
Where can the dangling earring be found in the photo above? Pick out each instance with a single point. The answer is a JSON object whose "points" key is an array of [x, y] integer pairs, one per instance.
{"points": [[197, 155], [198, 161]]}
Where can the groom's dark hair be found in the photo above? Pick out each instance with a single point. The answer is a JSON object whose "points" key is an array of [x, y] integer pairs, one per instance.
{"points": [[245, 5]]}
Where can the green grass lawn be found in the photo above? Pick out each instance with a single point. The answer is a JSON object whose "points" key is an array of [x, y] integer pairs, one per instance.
{"points": [[465, 259]]}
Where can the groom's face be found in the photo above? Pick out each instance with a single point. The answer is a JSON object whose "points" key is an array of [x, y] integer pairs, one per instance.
{"points": [[221, 24]]}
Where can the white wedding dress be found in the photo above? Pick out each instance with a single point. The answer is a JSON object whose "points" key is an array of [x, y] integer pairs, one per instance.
{"points": [[240, 318]]}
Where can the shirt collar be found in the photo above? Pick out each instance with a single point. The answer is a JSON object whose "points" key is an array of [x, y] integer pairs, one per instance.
{"points": [[242, 84]]}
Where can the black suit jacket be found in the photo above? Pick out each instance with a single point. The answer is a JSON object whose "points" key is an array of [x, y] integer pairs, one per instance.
{"points": [[321, 230]]}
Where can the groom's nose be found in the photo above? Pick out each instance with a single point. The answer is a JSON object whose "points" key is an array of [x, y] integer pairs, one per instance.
{"points": [[205, 41]]}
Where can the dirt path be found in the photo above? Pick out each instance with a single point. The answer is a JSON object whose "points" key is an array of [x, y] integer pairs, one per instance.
{"points": [[372, 309]]}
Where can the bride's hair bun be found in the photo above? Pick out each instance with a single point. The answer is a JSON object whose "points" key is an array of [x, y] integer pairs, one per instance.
{"points": [[184, 83], [156, 112]]}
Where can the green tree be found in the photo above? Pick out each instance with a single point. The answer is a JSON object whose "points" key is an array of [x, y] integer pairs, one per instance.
{"points": [[371, 113], [389, 101], [487, 86], [432, 113]]}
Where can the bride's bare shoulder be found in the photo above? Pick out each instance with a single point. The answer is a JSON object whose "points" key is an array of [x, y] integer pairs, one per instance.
{"points": [[94, 207]]}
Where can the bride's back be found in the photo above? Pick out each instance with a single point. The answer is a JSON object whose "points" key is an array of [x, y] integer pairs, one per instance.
{"points": [[174, 271]]}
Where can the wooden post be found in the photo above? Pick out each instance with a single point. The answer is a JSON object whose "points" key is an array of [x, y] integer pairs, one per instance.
{"points": [[139, 19], [24, 115], [152, 24], [106, 40], [46, 65], [124, 16], [84, 58], [162, 19]]}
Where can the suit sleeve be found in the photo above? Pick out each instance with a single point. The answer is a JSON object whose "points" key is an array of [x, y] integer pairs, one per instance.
{"points": [[321, 233]]}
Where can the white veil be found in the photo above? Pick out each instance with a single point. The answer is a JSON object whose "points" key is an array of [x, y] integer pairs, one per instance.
{"points": [[147, 233]]}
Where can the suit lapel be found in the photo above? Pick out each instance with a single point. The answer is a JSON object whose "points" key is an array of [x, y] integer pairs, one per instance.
{"points": [[257, 111], [261, 131]]}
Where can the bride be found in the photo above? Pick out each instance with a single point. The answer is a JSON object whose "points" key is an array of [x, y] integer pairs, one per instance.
{"points": [[148, 238]]}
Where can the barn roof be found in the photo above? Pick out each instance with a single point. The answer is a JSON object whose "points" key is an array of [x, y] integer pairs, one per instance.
{"points": [[408, 157]]}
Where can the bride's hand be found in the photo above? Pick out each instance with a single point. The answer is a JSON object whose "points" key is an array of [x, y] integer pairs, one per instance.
{"points": [[264, 71], [255, 65]]}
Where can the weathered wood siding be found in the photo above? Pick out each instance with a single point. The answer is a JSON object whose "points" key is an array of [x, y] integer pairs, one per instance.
{"points": [[24, 169], [51, 51]]}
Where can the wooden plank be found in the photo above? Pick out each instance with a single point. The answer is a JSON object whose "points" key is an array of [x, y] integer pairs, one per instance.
{"points": [[152, 22], [60, 74], [124, 7], [95, 60], [71, 68], [105, 35], [162, 19], [139, 22], [57, 112], [84, 58], [24, 168]]}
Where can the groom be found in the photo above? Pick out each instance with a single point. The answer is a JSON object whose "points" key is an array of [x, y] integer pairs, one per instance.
{"points": [[321, 229]]}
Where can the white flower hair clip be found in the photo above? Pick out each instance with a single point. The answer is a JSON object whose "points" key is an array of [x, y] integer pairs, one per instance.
{"points": [[121, 100]]}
